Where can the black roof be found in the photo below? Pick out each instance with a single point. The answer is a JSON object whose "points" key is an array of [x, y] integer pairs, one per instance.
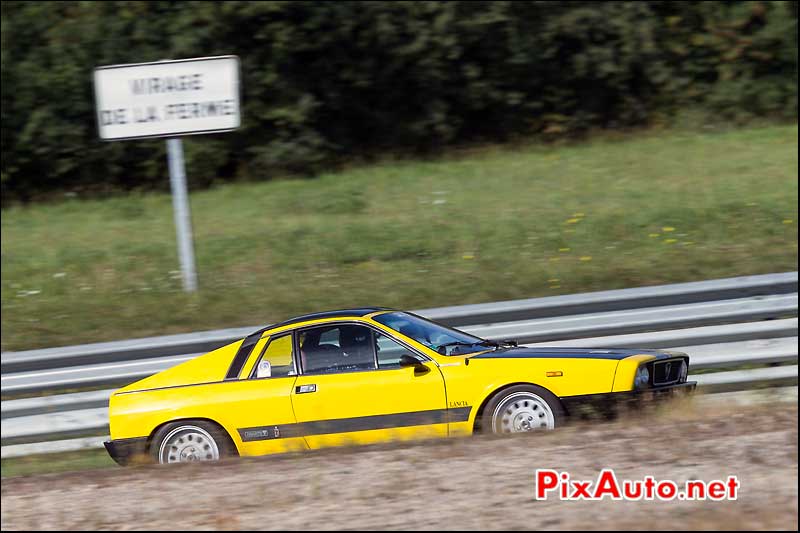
{"points": [[361, 311]]}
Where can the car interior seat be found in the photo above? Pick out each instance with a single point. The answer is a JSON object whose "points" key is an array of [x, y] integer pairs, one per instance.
{"points": [[357, 347], [319, 357]]}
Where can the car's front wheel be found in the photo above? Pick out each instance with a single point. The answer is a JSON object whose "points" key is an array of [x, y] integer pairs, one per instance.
{"points": [[189, 442], [520, 409]]}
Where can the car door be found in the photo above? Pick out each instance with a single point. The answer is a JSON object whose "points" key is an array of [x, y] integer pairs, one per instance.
{"points": [[353, 390], [260, 400]]}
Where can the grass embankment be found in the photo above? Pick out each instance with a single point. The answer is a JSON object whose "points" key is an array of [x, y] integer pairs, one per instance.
{"points": [[494, 224], [51, 463]]}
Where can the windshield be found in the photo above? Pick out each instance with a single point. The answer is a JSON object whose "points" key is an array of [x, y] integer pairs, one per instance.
{"points": [[438, 338]]}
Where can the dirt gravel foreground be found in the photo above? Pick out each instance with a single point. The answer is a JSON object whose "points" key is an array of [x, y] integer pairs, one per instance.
{"points": [[471, 483]]}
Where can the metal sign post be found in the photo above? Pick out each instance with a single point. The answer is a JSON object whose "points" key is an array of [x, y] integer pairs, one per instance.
{"points": [[183, 219], [170, 99]]}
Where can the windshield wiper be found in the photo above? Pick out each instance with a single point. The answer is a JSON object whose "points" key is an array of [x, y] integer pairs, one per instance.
{"points": [[462, 343]]}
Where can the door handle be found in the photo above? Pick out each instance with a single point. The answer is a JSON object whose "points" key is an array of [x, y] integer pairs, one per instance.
{"points": [[304, 389]]}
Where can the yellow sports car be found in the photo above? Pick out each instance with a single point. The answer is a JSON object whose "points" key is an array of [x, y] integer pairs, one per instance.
{"points": [[367, 375]]}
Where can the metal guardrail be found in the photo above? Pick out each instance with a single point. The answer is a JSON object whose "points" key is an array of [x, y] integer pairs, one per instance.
{"points": [[775, 394], [54, 404], [648, 319], [526, 331], [733, 380], [74, 414], [767, 329], [88, 375], [717, 334], [68, 445], [616, 300], [706, 356], [488, 313]]}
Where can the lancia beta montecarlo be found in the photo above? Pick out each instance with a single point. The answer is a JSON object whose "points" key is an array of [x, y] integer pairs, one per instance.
{"points": [[360, 376]]}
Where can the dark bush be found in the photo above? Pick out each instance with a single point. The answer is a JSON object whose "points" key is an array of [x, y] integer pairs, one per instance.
{"points": [[324, 82]]}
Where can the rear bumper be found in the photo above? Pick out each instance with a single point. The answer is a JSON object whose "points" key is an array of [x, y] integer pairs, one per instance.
{"points": [[575, 404], [127, 451]]}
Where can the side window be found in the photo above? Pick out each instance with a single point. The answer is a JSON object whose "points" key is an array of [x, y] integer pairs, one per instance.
{"points": [[276, 359], [341, 348], [390, 351]]}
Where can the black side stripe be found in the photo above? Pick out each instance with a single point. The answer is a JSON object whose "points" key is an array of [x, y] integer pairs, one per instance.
{"points": [[242, 354], [361, 423]]}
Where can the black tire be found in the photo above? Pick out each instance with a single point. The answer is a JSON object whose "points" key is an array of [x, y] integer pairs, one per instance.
{"points": [[192, 441], [522, 408]]}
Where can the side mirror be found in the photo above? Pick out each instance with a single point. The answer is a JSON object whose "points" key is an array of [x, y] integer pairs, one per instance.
{"points": [[407, 360], [410, 361]]}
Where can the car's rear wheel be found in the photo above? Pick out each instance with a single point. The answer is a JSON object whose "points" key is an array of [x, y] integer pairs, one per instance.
{"points": [[520, 409], [189, 442]]}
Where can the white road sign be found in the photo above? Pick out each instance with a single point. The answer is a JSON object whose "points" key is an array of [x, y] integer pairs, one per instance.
{"points": [[167, 98]]}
